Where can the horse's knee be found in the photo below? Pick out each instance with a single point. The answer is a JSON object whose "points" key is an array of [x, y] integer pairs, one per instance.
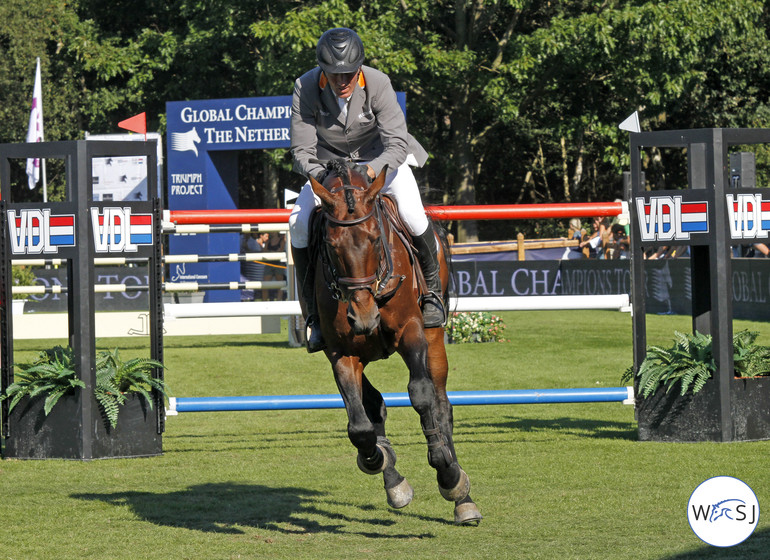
{"points": [[363, 437], [422, 395]]}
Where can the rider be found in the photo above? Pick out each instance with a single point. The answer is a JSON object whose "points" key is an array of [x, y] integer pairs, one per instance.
{"points": [[343, 109]]}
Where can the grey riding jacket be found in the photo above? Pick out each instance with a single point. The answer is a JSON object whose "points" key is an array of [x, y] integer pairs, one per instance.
{"points": [[374, 131]]}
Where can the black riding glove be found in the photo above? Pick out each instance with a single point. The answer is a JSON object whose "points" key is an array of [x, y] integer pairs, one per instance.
{"points": [[362, 170], [322, 175]]}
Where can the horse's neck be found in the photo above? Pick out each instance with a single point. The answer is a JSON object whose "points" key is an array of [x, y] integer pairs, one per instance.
{"points": [[393, 218]]}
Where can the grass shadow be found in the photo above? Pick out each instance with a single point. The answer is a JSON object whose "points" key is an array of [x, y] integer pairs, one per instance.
{"points": [[218, 345], [755, 546], [595, 429], [228, 508]]}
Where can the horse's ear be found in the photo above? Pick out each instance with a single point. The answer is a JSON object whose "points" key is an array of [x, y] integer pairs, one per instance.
{"points": [[377, 184], [321, 192]]}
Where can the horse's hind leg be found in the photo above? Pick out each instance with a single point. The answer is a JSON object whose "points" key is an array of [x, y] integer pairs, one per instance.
{"points": [[428, 394], [399, 492]]}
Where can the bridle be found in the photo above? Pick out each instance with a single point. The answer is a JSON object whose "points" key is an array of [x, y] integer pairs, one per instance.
{"points": [[342, 287]]}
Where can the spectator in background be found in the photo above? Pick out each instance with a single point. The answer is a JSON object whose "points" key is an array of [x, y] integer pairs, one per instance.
{"points": [[758, 250], [619, 246], [598, 238], [667, 252], [575, 233], [762, 250], [254, 243], [576, 230], [276, 243]]}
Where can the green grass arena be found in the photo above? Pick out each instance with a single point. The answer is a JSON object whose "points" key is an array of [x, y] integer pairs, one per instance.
{"points": [[561, 481]]}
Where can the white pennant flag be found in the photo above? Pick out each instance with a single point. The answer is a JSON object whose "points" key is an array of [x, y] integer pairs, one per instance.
{"points": [[35, 130], [631, 124]]}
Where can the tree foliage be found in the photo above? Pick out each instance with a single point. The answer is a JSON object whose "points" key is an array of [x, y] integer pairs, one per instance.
{"points": [[518, 101]]}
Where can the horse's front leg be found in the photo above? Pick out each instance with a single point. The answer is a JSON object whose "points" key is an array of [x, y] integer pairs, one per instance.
{"points": [[398, 490], [373, 457]]}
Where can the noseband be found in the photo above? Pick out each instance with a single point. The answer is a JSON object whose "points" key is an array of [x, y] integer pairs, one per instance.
{"points": [[341, 287]]}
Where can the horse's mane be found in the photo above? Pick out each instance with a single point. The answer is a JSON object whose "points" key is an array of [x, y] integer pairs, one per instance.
{"points": [[340, 168]]}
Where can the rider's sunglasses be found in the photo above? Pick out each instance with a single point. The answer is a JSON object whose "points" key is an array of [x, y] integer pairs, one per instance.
{"points": [[345, 77]]}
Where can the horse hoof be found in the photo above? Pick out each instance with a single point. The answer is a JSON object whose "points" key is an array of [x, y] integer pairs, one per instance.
{"points": [[467, 514], [460, 491], [400, 495], [386, 461]]}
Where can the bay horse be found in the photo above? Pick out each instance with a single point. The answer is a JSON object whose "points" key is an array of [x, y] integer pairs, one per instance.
{"points": [[367, 292]]}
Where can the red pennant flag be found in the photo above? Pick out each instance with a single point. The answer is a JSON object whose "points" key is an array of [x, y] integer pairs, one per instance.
{"points": [[137, 123]]}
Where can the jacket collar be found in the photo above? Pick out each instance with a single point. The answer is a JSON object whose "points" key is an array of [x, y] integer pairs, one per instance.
{"points": [[322, 80], [356, 101]]}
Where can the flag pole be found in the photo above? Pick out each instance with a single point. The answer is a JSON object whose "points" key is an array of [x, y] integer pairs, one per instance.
{"points": [[35, 134], [45, 183]]}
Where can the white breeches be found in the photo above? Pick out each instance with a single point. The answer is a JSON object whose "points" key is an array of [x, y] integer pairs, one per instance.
{"points": [[400, 184]]}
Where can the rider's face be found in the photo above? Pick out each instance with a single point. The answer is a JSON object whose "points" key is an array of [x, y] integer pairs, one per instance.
{"points": [[343, 84]]}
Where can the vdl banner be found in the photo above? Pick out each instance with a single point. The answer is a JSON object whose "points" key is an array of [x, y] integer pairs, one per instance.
{"points": [[665, 218], [38, 231], [204, 138]]}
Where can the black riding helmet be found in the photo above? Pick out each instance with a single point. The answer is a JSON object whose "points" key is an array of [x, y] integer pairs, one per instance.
{"points": [[340, 51]]}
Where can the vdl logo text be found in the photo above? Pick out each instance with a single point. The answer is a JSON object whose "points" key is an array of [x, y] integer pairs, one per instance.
{"points": [[117, 230], [35, 231], [745, 214], [668, 218]]}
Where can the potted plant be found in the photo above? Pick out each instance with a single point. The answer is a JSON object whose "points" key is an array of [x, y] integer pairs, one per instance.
{"points": [[678, 391], [46, 398]]}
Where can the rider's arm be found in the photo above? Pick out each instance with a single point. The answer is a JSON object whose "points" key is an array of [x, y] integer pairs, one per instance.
{"points": [[303, 130], [390, 122]]}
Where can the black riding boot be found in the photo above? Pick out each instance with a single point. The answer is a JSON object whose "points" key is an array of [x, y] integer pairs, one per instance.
{"points": [[432, 304], [305, 274]]}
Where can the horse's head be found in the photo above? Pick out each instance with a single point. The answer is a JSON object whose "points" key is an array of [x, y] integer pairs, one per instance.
{"points": [[353, 240]]}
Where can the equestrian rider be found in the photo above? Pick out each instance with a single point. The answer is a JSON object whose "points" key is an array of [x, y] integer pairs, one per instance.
{"points": [[343, 109]]}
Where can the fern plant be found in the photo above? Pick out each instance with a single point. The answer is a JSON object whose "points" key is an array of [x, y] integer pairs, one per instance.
{"points": [[690, 362], [750, 359], [52, 374], [115, 379]]}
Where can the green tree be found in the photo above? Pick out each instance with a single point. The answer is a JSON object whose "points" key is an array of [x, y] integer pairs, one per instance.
{"points": [[518, 101]]}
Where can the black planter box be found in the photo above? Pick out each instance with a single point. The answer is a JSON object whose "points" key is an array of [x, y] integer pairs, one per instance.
{"points": [[61, 434], [694, 418]]}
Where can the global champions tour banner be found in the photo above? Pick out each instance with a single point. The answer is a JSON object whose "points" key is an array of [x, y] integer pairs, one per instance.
{"points": [[668, 283], [204, 138]]}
